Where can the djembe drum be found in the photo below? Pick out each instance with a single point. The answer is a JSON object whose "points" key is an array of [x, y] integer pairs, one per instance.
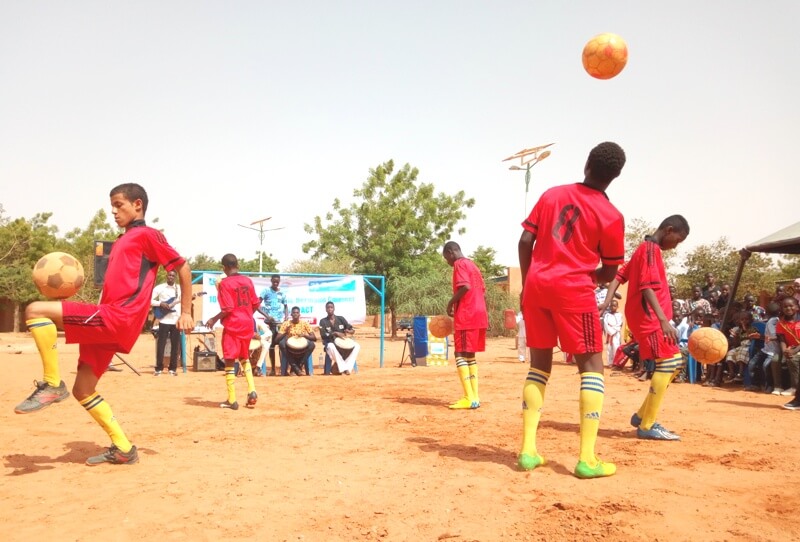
{"points": [[255, 353], [296, 345], [296, 348], [344, 345]]}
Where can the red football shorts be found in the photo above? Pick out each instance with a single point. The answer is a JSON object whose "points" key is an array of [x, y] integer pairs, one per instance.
{"points": [[576, 332], [235, 347], [655, 346], [92, 327], [469, 340]]}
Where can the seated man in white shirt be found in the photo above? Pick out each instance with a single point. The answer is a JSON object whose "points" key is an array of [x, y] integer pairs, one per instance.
{"points": [[334, 327], [265, 337]]}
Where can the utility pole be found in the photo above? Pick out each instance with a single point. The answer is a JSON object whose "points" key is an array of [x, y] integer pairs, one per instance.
{"points": [[261, 231]]}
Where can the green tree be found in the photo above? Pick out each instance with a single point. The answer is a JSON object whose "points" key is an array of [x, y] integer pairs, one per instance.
{"points": [[22, 243], [80, 243], [268, 264], [323, 266], [428, 293], [789, 265], [722, 259], [204, 262], [484, 258], [635, 232], [394, 228]]}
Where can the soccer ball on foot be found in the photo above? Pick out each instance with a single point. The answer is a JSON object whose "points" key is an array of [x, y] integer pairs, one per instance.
{"points": [[440, 326], [708, 345], [58, 275], [605, 55]]}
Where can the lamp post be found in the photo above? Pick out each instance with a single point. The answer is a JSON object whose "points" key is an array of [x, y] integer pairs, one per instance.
{"points": [[527, 159], [261, 232]]}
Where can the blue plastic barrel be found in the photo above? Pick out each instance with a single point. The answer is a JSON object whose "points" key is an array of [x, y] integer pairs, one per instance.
{"points": [[421, 336]]}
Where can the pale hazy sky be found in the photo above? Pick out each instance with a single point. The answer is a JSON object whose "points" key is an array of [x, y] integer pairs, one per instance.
{"points": [[229, 112]]}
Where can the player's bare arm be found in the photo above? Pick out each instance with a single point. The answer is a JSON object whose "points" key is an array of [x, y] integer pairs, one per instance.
{"points": [[185, 321], [525, 250], [461, 292], [606, 273], [670, 333], [610, 294]]}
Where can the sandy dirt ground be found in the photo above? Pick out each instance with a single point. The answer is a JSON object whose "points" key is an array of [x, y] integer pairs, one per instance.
{"points": [[378, 456]]}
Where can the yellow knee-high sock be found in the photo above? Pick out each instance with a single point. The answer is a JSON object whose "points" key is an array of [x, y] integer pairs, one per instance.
{"points": [[645, 404], [663, 375], [463, 375], [532, 401], [248, 375], [101, 412], [591, 407], [473, 377], [45, 336], [230, 382]]}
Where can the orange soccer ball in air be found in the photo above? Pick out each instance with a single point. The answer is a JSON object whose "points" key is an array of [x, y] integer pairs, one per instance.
{"points": [[605, 55], [708, 345], [58, 275], [440, 326]]}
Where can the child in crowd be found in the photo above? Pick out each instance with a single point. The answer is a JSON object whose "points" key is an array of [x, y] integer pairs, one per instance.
{"points": [[788, 331], [740, 336], [612, 327], [757, 368], [713, 371]]}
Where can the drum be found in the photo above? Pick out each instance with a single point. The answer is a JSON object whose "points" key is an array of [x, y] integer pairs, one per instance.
{"points": [[255, 351], [344, 345], [296, 345]]}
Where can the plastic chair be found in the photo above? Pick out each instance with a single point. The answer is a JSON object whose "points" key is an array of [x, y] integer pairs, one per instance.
{"points": [[329, 363], [285, 364]]}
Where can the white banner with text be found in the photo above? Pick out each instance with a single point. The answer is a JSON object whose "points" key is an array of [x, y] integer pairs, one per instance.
{"points": [[308, 293]]}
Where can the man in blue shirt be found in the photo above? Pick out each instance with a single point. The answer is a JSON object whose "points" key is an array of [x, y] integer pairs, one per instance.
{"points": [[277, 310]]}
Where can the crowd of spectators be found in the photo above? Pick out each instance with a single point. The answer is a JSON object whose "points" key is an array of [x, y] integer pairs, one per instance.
{"points": [[763, 342]]}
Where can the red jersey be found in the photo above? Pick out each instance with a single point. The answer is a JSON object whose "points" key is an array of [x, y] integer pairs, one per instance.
{"points": [[790, 331], [576, 228], [238, 300], [470, 311], [645, 270], [130, 278]]}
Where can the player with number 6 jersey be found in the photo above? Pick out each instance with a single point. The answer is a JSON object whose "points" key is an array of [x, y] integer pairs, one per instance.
{"points": [[571, 229]]}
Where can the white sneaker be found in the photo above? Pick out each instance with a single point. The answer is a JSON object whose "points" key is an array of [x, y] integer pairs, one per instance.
{"points": [[156, 373], [777, 391], [521, 359], [790, 391], [173, 373]]}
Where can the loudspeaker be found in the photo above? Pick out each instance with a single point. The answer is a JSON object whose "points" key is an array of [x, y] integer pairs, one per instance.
{"points": [[205, 361], [102, 249]]}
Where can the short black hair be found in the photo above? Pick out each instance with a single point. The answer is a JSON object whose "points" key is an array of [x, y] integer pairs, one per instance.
{"points": [[295, 307], [678, 224], [451, 245], [132, 192], [275, 277], [329, 303], [606, 161], [229, 260]]}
